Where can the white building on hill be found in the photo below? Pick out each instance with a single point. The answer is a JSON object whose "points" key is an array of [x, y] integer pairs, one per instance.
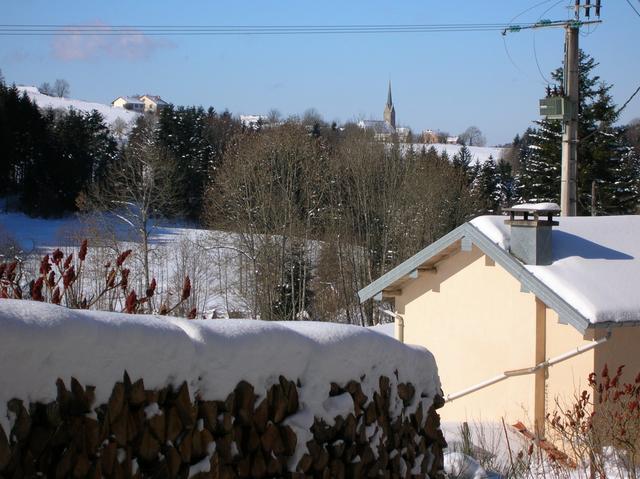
{"points": [[140, 103]]}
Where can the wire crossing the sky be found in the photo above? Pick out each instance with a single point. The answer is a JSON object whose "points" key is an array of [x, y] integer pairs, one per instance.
{"points": [[186, 30]]}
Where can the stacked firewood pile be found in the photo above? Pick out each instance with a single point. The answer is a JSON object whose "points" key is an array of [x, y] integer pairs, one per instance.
{"points": [[370, 442], [167, 434]]}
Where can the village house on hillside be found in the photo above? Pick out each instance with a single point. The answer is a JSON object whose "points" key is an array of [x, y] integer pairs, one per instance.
{"points": [[140, 103], [519, 310]]}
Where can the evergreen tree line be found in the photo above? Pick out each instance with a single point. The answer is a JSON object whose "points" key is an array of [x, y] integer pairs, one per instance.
{"points": [[51, 157], [48, 157]]}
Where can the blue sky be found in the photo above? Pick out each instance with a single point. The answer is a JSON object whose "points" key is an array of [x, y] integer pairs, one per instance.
{"points": [[445, 81]]}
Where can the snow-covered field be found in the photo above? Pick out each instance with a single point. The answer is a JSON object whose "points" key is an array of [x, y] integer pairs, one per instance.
{"points": [[41, 342], [40, 233], [479, 153], [109, 113], [176, 251]]}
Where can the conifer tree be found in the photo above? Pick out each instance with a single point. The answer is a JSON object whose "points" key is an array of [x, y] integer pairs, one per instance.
{"points": [[463, 161], [603, 159]]}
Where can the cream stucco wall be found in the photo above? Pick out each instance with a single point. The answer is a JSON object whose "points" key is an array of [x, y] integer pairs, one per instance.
{"points": [[473, 317], [623, 348], [566, 379], [119, 102]]}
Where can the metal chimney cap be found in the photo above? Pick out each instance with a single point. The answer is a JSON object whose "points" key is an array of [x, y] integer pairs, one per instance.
{"points": [[538, 210]]}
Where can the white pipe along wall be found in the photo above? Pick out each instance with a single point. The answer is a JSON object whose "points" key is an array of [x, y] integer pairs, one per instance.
{"points": [[522, 372]]}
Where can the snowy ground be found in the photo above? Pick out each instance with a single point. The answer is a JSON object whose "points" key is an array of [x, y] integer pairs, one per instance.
{"points": [[479, 153], [177, 251], [109, 113]]}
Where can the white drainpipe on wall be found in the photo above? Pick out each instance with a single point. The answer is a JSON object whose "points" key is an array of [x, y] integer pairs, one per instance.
{"points": [[399, 320], [531, 370]]}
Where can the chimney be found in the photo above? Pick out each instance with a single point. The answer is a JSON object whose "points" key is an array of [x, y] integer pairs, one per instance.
{"points": [[531, 226]]}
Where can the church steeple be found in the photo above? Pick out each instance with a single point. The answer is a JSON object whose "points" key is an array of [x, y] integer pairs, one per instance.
{"points": [[389, 110]]}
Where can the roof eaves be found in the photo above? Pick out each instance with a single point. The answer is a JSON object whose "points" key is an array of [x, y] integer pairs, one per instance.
{"points": [[403, 269], [530, 283]]}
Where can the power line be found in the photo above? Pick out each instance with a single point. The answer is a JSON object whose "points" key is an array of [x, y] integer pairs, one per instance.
{"points": [[628, 101], [535, 49], [634, 8], [157, 30], [504, 41], [616, 115]]}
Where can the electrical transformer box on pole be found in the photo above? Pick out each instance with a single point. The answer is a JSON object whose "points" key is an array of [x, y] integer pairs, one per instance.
{"points": [[556, 108]]}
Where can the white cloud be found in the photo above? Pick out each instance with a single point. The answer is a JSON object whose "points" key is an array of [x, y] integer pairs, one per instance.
{"points": [[78, 47]]}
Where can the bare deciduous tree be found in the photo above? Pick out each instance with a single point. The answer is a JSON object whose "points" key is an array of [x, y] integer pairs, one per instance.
{"points": [[139, 188], [339, 205], [61, 88], [46, 88], [472, 136], [269, 193]]}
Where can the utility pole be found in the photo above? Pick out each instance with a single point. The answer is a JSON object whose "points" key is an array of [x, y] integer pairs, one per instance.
{"points": [[568, 201], [566, 105]]}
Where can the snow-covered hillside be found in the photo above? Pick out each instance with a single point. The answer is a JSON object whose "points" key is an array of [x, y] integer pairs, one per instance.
{"points": [[109, 113], [479, 153]]}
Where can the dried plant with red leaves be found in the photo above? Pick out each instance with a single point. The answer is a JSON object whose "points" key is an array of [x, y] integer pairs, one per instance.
{"points": [[36, 289], [186, 289], [122, 257], [57, 256], [55, 297], [152, 288], [60, 281], [10, 279], [82, 254], [131, 304], [605, 417]]}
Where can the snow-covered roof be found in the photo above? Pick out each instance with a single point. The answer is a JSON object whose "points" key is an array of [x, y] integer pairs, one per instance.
{"points": [[41, 342], [131, 99], [378, 126], [596, 263], [155, 99], [593, 279], [536, 207]]}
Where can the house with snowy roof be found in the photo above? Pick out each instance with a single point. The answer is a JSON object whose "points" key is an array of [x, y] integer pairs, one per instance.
{"points": [[132, 103], [518, 310], [153, 103], [140, 103]]}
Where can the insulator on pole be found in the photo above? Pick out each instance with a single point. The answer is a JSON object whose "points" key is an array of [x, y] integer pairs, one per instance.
{"points": [[598, 8], [577, 8], [587, 8]]}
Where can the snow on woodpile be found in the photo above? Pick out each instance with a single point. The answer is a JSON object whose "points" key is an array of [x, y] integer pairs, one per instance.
{"points": [[596, 263], [109, 113], [40, 343]]}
